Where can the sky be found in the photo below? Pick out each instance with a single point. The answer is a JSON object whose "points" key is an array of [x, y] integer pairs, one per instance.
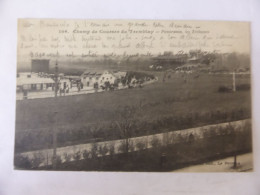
{"points": [[46, 37]]}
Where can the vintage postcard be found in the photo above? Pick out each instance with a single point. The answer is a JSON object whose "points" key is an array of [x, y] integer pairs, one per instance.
{"points": [[133, 95]]}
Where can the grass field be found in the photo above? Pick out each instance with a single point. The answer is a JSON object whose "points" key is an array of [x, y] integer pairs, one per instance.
{"points": [[179, 95]]}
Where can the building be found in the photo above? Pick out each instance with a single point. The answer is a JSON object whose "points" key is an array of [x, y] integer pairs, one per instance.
{"points": [[37, 82], [107, 77], [189, 68], [91, 79], [119, 74], [88, 79], [166, 62], [33, 82], [40, 65]]}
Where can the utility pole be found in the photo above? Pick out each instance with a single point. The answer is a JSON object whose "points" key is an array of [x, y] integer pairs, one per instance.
{"points": [[56, 78], [54, 140], [235, 162], [54, 136], [234, 81]]}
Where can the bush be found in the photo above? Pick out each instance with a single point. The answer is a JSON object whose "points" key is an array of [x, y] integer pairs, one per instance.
{"points": [[224, 89], [58, 160], [165, 138], [77, 155], [181, 138], [94, 151], [243, 87], [122, 146], [131, 147], [22, 162], [67, 157], [140, 145], [103, 150], [155, 142], [111, 149], [85, 154], [38, 158]]}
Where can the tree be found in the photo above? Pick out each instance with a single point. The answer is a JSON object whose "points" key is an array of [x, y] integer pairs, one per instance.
{"points": [[111, 149], [94, 150], [67, 157], [22, 162], [233, 64], [168, 53], [125, 120], [38, 158]]}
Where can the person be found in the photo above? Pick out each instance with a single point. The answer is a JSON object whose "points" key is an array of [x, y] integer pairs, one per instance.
{"points": [[96, 86], [60, 91], [67, 89], [78, 85], [191, 138], [81, 85], [24, 93]]}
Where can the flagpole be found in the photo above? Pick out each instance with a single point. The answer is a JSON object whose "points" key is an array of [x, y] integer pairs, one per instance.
{"points": [[54, 136]]}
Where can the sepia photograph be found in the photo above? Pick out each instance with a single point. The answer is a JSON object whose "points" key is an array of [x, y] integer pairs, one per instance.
{"points": [[133, 96]]}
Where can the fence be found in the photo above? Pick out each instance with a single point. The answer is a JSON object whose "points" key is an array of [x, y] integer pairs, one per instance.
{"points": [[83, 151]]}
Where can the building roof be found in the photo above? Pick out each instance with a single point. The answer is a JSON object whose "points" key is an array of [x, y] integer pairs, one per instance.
{"points": [[99, 73], [119, 74], [87, 73], [189, 65], [170, 58], [33, 80], [194, 58]]}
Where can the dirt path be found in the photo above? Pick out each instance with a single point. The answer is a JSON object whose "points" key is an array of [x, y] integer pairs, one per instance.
{"points": [[73, 91], [244, 164]]}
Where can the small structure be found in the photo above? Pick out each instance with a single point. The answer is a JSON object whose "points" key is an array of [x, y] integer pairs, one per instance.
{"points": [[194, 60], [33, 82], [40, 65], [133, 82], [89, 79], [97, 79], [188, 68], [151, 66], [37, 81], [107, 77], [119, 74], [169, 61]]}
